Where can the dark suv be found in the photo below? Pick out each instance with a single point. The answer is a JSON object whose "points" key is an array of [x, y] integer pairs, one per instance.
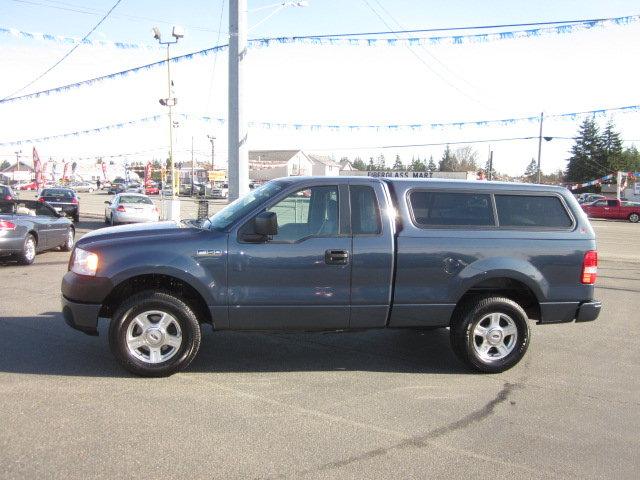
{"points": [[345, 253], [64, 200]]}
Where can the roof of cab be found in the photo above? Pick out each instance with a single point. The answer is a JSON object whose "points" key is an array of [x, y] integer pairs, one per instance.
{"points": [[439, 183]]}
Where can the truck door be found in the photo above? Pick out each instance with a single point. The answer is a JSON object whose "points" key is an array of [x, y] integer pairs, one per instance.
{"points": [[373, 230], [299, 279]]}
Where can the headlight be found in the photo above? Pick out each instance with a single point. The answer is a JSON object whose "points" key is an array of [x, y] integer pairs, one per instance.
{"points": [[84, 263]]}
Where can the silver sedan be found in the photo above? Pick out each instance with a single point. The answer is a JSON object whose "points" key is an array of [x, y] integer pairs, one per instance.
{"points": [[130, 208]]}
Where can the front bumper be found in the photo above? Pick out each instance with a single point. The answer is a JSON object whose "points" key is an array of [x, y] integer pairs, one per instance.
{"points": [[81, 316]]}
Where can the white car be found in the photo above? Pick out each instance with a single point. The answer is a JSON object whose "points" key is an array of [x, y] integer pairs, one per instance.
{"points": [[83, 186], [220, 191], [130, 208]]}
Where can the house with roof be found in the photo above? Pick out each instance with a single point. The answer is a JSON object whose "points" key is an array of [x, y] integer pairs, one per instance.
{"points": [[18, 172], [324, 166], [269, 164]]}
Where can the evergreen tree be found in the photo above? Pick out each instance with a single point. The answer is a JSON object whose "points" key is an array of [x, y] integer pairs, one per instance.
{"points": [[448, 163], [531, 172], [612, 150], [371, 166], [489, 171], [431, 166], [417, 165], [358, 164], [381, 163], [398, 165], [587, 156], [467, 159], [5, 164]]}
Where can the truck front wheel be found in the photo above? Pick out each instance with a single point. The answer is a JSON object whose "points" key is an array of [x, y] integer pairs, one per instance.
{"points": [[490, 334], [154, 334]]}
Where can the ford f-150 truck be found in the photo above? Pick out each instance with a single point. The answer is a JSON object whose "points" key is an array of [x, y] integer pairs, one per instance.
{"points": [[346, 253]]}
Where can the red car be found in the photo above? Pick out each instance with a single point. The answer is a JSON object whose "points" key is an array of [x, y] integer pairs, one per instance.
{"points": [[28, 186], [150, 189], [616, 209]]}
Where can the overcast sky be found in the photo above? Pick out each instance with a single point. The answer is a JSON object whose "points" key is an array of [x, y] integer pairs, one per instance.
{"points": [[320, 84]]}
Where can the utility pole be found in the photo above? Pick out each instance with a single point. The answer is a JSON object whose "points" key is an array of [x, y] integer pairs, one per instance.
{"points": [[490, 173], [238, 133], [193, 168], [212, 139], [540, 144]]}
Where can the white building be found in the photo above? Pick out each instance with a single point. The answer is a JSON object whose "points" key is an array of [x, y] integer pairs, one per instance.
{"points": [[270, 164], [324, 166]]}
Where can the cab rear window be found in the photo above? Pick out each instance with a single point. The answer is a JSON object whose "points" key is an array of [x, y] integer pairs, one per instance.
{"points": [[541, 211]]}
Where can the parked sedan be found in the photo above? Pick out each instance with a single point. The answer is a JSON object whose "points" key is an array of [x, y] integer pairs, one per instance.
{"points": [[130, 208], [63, 200], [83, 186], [28, 227]]}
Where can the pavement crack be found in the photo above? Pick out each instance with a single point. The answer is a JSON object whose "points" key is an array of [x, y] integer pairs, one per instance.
{"points": [[424, 440]]}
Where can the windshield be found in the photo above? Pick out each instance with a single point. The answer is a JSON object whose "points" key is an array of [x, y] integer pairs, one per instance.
{"points": [[240, 207], [57, 193], [135, 199]]}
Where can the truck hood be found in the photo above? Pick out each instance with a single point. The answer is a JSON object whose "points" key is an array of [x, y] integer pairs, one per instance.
{"points": [[143, 230]]}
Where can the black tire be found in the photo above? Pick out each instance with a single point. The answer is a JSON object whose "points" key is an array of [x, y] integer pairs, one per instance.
{"points": [[28, 256], [111, 222], [465, 343], [157, 301], [76, 218], [106, 219], [634, 217], [67, 246]]}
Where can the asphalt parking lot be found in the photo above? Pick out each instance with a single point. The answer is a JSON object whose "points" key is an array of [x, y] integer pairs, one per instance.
{"points": [[378, 404]]}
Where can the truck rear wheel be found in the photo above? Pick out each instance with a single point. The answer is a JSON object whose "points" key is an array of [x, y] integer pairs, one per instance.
{"points": [[490, 334], [154, 334], [634, 218]]}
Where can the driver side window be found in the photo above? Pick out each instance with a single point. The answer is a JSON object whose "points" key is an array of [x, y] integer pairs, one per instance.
{"points": [[310, 212]]}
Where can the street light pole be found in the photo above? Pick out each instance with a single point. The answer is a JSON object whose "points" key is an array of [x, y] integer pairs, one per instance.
{"points": [[540, 144], [212, 139], [238, 133]]}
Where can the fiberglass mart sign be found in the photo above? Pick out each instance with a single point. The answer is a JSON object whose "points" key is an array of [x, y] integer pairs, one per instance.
{"points": [[400, 174]]}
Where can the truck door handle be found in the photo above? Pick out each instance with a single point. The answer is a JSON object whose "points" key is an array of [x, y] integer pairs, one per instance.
{"points": [[336, 257]]}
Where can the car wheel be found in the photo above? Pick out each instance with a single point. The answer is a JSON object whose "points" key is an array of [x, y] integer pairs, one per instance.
{"points": [[67, 246], [111, 220], [154, 334], [490, 334], [634, 218], [28, 254], [106, 219], [91, 190]]}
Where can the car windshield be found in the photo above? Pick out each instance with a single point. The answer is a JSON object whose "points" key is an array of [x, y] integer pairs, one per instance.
{"points": [[135, 199], [58, 193], [240, 207]]}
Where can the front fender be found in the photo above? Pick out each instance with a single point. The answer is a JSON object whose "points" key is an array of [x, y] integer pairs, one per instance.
{"points": [[500, 267]]}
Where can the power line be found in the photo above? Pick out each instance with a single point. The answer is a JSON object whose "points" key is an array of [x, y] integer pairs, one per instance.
{"points": [[421, 60], [451, 29], [64, 57], [89, 11]]}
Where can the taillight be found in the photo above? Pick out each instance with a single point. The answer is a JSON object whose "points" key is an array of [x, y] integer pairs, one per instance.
{"points": [[41, 200], [7, 197], [120, 208], [74, 200], [590, 267], [7, 225]]}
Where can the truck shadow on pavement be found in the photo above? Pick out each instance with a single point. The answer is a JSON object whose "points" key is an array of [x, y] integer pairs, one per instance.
{"points": [[45, 345]]}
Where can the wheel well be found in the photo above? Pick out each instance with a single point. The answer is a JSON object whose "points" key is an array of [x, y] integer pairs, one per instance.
{"points": [[505, 287], [34, 234], [165, 283]]}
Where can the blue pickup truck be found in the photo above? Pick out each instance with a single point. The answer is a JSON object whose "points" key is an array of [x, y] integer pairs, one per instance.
{"points": [[346, 253]]}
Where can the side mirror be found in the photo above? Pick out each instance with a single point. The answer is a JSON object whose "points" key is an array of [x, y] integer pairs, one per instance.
{"points": [[266, 224], [107, 202]]}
